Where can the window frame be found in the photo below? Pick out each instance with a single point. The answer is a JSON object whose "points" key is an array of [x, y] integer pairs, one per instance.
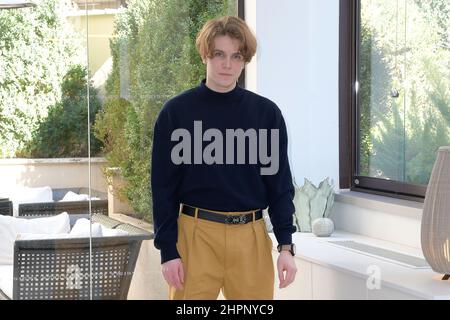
{"points": [[349, 115], [241, 14]]}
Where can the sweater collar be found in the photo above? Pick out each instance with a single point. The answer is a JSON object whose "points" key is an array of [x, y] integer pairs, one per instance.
{"points": [[206, 92]]}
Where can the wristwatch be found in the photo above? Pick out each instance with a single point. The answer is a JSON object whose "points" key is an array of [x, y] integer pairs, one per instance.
{"points": [[287, 247]]}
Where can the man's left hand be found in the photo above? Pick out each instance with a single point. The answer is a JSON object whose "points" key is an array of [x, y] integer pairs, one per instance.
{"points": [[286, 269]]}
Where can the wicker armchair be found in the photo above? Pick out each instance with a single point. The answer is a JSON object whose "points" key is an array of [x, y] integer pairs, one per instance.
{"points": [[71, 207], [59, 268]]}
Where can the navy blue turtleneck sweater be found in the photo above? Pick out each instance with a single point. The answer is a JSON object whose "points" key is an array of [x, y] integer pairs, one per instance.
{"points": [[220, 187]]}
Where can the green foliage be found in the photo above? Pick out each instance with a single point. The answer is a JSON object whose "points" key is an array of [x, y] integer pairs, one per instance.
{"points": [[374, 102], [37, 48], [407, 155], [154, 58], [389, 141], [64, 132], [437, 15], [110, 128]]}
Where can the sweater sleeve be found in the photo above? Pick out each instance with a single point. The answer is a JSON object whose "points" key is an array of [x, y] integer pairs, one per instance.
{"points": [[165, 177], [280, 189]]}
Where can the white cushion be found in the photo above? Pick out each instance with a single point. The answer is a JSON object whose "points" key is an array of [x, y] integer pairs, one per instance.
{"points": [[6, 279], [30, 195], [81, 229], [72, 196], [11, 226], [107, 232]]}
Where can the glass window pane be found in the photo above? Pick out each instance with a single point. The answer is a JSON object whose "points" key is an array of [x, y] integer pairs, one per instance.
{"points": [[44, 149], [403, 97]]}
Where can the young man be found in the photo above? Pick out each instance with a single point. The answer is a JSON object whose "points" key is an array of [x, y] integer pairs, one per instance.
{"points": [[209, 189]]}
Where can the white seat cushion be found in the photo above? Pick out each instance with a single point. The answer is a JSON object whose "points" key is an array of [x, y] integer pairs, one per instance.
{"points": [[108, 232], [10, 227], [30, 195], [82, 229], [6, 279], [72, 196]]}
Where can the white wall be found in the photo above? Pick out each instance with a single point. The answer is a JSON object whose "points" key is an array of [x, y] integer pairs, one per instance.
{"points": [[297, 67], [55, 173]]}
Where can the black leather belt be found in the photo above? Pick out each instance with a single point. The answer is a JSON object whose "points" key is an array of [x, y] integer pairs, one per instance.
{"points": [[222, 218]]}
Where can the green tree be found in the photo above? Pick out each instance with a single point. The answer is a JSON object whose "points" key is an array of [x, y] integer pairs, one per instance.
{"points": [[437, 14], [408, 155], [375, 80], [64, 132], [388, 158], [110, 128], [37, 48]]}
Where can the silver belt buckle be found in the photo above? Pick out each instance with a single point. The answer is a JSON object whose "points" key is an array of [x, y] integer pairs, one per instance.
{"points": [[241, 219]]}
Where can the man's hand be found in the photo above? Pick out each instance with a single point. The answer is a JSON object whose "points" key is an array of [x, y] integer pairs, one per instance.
{"points": [[173, 272], [286, 264]]}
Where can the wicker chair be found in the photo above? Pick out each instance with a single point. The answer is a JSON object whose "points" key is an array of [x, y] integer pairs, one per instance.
{"points": [[5, 207], [59, 268], [71, 207]]}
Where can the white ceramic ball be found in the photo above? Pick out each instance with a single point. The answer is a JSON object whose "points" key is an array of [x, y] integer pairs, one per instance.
{"points": [[322, 227]]}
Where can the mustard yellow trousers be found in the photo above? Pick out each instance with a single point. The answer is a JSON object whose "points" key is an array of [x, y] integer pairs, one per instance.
{"points": [[236, 259]]}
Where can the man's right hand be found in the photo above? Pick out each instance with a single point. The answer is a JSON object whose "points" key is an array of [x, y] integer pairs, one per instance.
{"points": [[173, 272]]}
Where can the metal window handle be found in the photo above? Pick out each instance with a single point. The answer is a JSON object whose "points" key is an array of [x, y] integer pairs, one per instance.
{"points": [[395, 93]]}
